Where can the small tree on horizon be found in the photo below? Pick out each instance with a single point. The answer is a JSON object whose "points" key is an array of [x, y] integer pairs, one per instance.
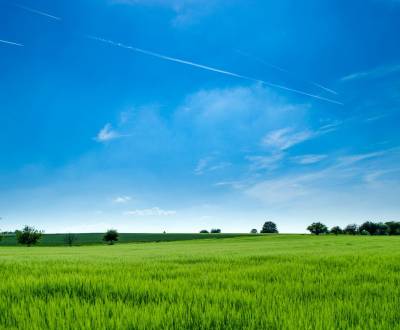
{"points": [[253, 231], [269, 227], [351, 229], [70, 239], [336, 230], [28, 236], [111, 236], [215, 231], [317, 228]]}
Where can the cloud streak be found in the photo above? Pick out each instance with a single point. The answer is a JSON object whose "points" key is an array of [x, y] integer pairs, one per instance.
{"points": [[11, 43], [208, 68], [38, 12]]}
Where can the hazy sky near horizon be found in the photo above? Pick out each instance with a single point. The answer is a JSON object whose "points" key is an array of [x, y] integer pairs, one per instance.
{"points": [[152, 115]]}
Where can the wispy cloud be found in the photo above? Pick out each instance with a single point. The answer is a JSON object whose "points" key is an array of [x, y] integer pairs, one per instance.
{"points": [[11, 43], [265, 162], [122, 199], [107, 133], [373, 73], [286, 138], [308, 159], [38, 12], [155, 211], [209, 164], [208, 68], [273, 66]]}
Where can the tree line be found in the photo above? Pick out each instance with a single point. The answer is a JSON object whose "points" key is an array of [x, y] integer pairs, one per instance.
{"points": [[367, 228]]}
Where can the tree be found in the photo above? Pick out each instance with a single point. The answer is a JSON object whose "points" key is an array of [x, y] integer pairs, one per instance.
{"points": [[204, 231], [28, 236], [364, 232], [336, 230], [111, 236], [351, 229], [269, 227], [215, 231], [375, 228], [317, 228], [393, 227], [70, 239], [253, 231]]}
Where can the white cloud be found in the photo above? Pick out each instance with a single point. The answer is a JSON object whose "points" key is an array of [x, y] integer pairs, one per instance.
{"points": [[285, 138], [122, 199], [155, 211], [308, 159], [208, 164], [265, 162], [373, 73], [107, 134]]}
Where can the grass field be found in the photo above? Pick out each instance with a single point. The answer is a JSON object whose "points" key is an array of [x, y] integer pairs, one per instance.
{"points": [[97, 238], [256, 282]]}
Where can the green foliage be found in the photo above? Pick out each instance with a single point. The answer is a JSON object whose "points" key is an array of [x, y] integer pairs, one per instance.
{"points": [[111, 236], [215, 231], [253, 231], [351, 229], [204, 231], [317, 228], [70, 239], [253, 282], [28, 236], [364, 232], [375, 228], [393, 227], [269, 227], [336, 230]]}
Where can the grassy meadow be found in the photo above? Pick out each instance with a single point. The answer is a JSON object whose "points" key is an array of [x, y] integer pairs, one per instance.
{"points": [[250, 282]]}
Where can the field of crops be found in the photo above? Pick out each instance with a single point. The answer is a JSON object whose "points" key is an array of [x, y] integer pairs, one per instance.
{"points": [[255, 282], [97, 238]]}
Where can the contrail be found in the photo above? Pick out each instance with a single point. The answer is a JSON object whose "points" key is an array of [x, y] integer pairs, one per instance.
{"points": [[38, 12], [326, 89], [205, 67], [11, 43]]}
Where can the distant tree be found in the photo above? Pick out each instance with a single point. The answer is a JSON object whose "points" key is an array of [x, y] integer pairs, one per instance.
{"points": [[351, 229], [111, 236], [215, 231], [269, 227], [336, 230], [203, 231], [70, 239], [317, 228], [393, 227], [364, 232], [375, 228], [253, 231], [28, 236]]}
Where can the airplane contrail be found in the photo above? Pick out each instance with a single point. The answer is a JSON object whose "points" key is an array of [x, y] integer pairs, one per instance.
{"points": [[205, 67], [38, 12], [326, 89], [11, 43]]}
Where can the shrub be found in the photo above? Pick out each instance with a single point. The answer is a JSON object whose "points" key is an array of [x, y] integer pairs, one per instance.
{"points": [[393, 227], [111, 236], [28, 236], [253, 231], [336, 230], [317, 228], [375, 228], [203, 231], [215, 231], [351, 229], [70, 239], [364, 232], [269, 227]]}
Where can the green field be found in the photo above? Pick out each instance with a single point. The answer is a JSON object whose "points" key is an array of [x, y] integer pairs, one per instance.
{"points": [[255, 282], [97, 238]]}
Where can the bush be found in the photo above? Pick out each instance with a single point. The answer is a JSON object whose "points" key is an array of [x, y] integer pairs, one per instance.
{"points": [[269, 227], [317, 228], [111, 236], [28, 236], [351, 229], [70, 239], [336, 230], [364, 232], [253, 231], [375, 228], [203, 231], [393, 227], [215, 231]]}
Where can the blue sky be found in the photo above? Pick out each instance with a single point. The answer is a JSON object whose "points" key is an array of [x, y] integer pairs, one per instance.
{"points": [[104, 123]]}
